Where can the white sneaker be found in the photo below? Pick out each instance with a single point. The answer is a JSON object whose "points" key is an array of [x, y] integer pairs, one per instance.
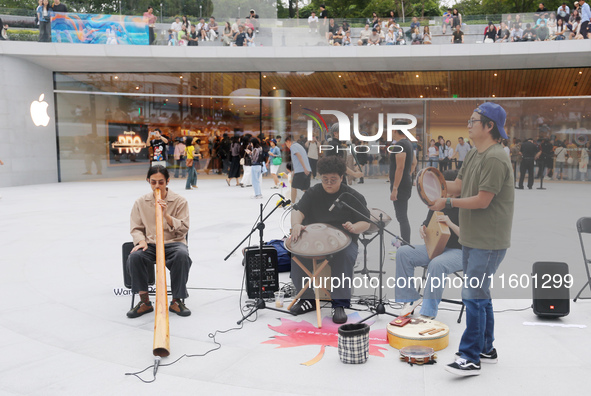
{"points": [[409, 307], [425, 317]]}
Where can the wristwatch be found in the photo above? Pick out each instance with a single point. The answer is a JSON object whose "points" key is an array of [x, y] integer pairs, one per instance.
{"points": [[448, 203]]}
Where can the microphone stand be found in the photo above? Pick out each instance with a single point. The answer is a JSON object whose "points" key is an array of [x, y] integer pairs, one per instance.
{"points": [[380, 307], [259, 302]]}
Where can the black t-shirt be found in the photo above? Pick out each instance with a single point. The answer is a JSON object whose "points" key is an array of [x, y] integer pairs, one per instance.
{"points": [[529, 150], [454, 215], [159, 150], [333, 29], [405, 185], [316, 202], [240, 38], [60, 8], [458, 36], [323, 14]]}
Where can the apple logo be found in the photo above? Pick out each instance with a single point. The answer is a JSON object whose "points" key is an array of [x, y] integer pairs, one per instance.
{"points": [[39, 112]]}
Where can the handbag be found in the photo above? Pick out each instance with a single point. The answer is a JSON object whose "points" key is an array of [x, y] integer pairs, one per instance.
{"points": [[242, 161], [189, 162], [277, 160]]}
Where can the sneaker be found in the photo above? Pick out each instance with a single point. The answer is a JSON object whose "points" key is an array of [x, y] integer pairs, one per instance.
{"points": [[489, 358], [257, 197], [425, 317], [409, 307], [303, 306], [179, 308], [194, 186], [463, 367], [274, 188], [140, 309], [338, 315]]}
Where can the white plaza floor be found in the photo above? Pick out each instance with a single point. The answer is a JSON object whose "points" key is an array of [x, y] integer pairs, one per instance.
{"points": [[63, 328]]}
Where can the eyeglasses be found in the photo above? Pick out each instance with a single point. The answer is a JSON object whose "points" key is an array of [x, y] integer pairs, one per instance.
{"points": [[471, 122], [157, 182], [332, 180]]}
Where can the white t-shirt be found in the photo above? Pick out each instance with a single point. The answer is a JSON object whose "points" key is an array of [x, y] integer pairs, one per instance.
{"points": [[432, 152], [312, 19], [176, 26], [462, 151]]}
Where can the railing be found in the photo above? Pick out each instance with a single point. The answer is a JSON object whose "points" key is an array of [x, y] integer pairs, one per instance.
{"points": [[116, 29]]}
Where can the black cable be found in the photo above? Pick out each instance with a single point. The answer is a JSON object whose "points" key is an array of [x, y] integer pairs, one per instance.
{"points": [[210, 335], [212, 288]]}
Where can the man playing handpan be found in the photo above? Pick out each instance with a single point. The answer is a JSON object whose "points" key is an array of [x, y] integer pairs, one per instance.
{"points": [[314, 208], [175, 213]]}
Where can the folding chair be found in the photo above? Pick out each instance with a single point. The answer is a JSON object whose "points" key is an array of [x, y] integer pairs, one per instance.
{"points": [[584, 227], [460, 302]]}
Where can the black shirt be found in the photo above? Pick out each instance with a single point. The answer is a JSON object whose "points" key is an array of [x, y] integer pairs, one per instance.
{"points": [[529, 149], [159, 150], [60, 8], [316, 202], [405, 185], [240, 39], [454, 215], [323, 14]]}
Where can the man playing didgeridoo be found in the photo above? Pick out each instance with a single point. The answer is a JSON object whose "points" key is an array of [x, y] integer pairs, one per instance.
{"points": [[314, 207], [486, 188], [175, 213]]}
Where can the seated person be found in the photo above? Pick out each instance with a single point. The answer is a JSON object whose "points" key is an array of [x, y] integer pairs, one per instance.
{"points": [[212, 29], [503, 34], [516, 33], [400, 40], [193, 37], [203, 29], [457, 36], [347, 38], [338, 37], [407, 259], [490, 33], [172, 37], [542, 32], [313, 207], [374, 38], [364, 35], [333, 29], [176, 25], [529, 34], [175, 215]]}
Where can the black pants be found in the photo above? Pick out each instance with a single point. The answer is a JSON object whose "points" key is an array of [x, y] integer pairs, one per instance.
{"points": [[527, 165], [313, 163], [177, 261], [152, 35], [401, 209]]}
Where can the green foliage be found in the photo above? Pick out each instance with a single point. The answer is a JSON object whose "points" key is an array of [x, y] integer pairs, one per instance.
{"points": [[23, 35]]}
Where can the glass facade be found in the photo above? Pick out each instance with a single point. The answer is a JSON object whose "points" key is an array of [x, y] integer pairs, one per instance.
{"points": [[105, 119]]}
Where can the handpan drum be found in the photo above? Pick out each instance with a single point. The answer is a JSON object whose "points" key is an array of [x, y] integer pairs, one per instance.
{"points": [[431, 185], [374, 214], [318, 240]]}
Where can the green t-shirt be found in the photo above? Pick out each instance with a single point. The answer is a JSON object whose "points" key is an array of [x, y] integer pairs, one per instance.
{"points": [[490, 228]]}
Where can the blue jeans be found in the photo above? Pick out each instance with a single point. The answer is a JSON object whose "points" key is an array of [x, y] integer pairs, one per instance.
{"points": [[433, 161], [407, 259], [256, 178], [191, 178], [478, 266]]}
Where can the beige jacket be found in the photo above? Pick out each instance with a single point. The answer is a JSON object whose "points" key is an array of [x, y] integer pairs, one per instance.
{"points": [[143, 219]]}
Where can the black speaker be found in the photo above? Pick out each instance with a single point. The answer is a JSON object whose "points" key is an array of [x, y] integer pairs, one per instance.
{"points": [[270, 275], [550, 289]]}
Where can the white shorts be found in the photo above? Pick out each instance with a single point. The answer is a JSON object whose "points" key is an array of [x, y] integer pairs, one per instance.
{"points": [[274, 169]]}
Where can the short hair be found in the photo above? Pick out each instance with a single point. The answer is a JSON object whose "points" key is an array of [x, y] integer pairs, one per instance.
{"points": [[460, 138], [255, 142], [450, 175], [288, 138], [494, 132], [158, 169], [331, 164]]}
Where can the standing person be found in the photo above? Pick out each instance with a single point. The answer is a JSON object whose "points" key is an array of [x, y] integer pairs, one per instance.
{"points": [[432, 154], [192, 156], [486, 187], [44, 13], [158, 143], [246, 163], [253, 17], [179, 158], [529, 152], [560, 160], [255, 152], [301, 168], [175, 215], [402, 165], [312, 147], [323, 21], [275, 161], [515, 156], [58, 6], [462, 149], [442, 154], [450, 153], [585, 17], [235, 161], [150, 20]]}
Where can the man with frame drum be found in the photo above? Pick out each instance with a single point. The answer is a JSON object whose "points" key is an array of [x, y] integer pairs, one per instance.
{"points": [[318, 206], [486, 187]]}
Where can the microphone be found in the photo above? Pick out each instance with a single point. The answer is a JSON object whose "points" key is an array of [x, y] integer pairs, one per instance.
{"points": [[336, 203], [283, 202]]}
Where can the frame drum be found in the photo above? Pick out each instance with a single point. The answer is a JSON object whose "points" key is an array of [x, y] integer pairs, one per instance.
{"points": [[431, 185], [428, 333]]}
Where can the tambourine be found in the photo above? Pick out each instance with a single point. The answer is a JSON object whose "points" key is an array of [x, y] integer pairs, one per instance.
{"points": [[417, 354], [374, 214], [431, 185], [318, 240]]}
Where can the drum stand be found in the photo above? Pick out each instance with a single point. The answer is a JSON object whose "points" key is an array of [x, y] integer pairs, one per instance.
{"points": [[380, 307], [312, 276], [259, 302]]}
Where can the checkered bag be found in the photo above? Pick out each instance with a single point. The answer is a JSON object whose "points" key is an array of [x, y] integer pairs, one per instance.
{"points": [[354, 343]]}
